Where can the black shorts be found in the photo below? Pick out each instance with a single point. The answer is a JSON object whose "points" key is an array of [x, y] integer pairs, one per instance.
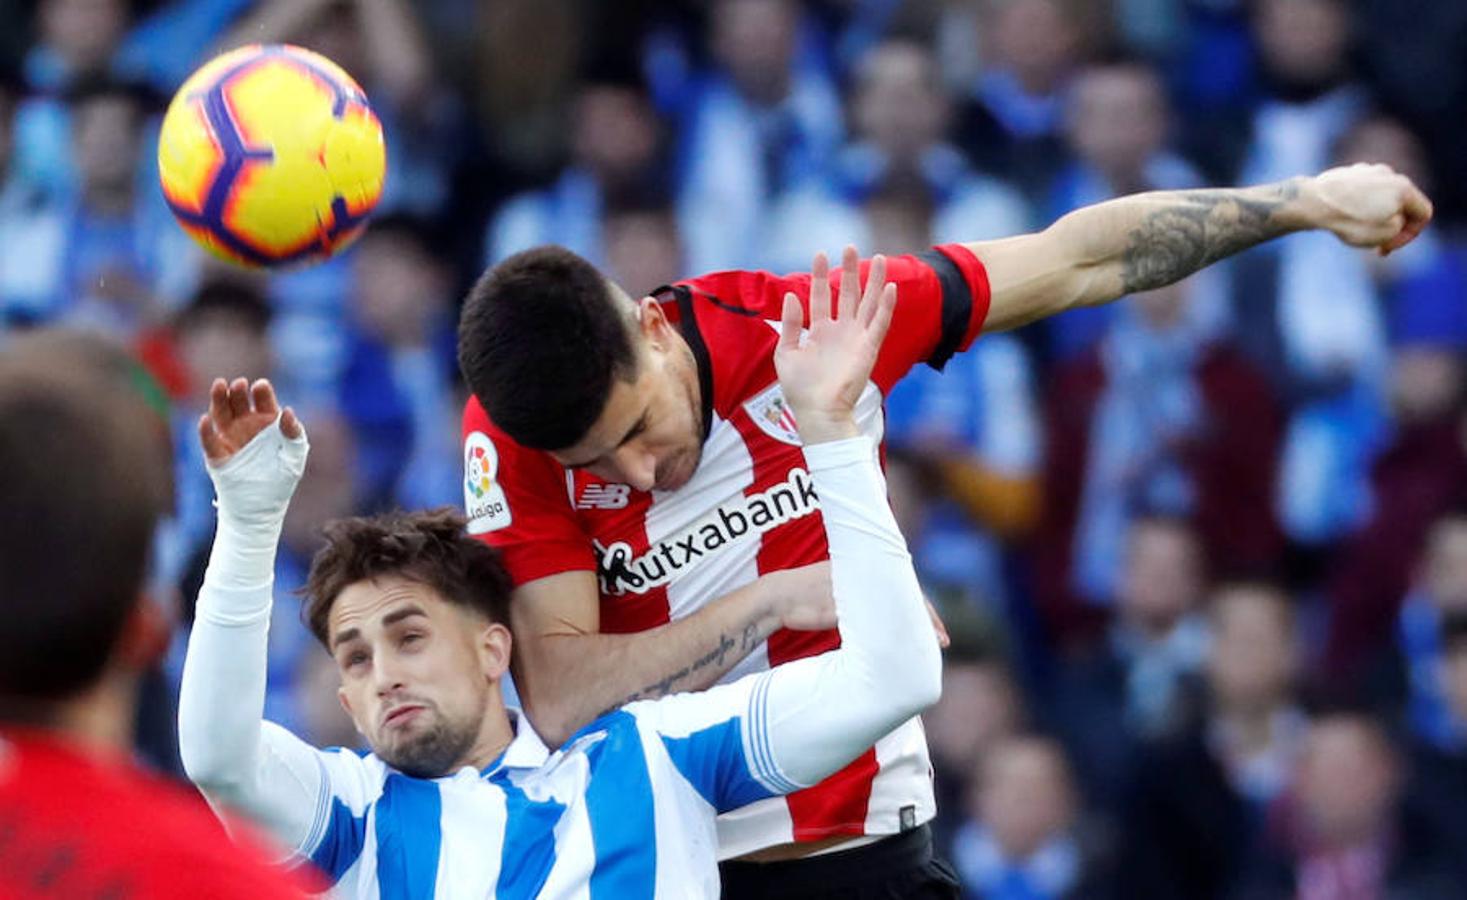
{"points": [[900, 867]]}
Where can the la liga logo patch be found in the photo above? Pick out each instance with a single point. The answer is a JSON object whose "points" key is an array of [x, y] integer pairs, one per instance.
{"points": [[484, 501]]}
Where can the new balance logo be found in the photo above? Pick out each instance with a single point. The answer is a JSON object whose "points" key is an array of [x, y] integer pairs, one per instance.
{"points": [[604, 496], [621, 570]]}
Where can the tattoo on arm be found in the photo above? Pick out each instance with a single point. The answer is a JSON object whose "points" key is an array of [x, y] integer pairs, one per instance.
{"points": [[1200, 229], [750, 637]]}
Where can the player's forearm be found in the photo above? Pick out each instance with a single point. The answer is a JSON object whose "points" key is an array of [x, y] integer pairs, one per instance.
{"points": [[222, 697], [227, 749], [1099, 253], [573, 678], [823, 712]]}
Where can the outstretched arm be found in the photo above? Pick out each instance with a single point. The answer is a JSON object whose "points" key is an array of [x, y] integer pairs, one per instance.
{"points": [[1099, 253], [234, 756], [822, 712], [792, 726]]}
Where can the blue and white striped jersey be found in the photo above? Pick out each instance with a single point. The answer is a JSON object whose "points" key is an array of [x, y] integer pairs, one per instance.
{"points": [[627, 803]]}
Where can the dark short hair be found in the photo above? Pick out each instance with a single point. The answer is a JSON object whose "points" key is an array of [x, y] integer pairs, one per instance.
{"points": [[430, 548], [98, 86], [539, 342], [424, 234], [85, 476], [227, 300]]}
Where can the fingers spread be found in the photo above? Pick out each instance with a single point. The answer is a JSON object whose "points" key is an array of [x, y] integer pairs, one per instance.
{"points": [[790, 320], [214, 448], [850, 281], [881, 321], [290, 425], [219, 402], [239, 398], [875, 283], [820, 287], [264, 397]]}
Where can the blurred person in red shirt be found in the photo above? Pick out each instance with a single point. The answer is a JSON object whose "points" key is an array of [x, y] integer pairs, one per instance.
{"points": [[84, 474]]}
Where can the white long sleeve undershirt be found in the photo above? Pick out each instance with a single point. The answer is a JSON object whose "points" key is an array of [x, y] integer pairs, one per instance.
{"points": [[826, 710]]}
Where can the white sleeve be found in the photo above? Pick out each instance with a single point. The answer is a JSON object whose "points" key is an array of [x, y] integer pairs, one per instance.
{"points": [[820, 713], [236, 758]]}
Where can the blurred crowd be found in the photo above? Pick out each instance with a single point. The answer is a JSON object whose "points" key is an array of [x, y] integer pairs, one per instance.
{"points": [[1203, 552]]}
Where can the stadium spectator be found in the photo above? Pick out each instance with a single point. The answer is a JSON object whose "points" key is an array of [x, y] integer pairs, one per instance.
{"points": [[1129, 684], [1023, 839], [1012, 120], [397, 388], [643, 245], [1438, 768], [1408, 674], [1201, 793], [900, 121], [124, 262], [30, 226], [1163, 416], [1344, 831], [76, 41], [84, 464], [981, 706], [525, 57], [1416, 480], [1414, 64], [1311, 96], [787, 113], [615, 146], [1117, 125]]}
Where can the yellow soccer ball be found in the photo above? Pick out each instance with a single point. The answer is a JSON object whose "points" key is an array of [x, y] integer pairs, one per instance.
{"points": [[269, 155]]}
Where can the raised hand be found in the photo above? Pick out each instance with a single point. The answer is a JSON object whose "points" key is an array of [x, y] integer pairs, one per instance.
{"points": [[255, 464], [1368, 205], [823, 374], [237, 412]]}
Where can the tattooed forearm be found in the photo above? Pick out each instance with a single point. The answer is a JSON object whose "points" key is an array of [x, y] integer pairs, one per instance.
{"points": [[750, 637], [1199, 229]]}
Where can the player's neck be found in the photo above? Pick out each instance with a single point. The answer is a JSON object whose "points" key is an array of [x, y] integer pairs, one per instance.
{"points": [[495, 735]]}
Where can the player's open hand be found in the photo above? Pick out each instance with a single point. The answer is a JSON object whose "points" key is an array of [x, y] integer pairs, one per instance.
{"points": [[255, 464], [237, 412], [1368, 205], [824, 371]]}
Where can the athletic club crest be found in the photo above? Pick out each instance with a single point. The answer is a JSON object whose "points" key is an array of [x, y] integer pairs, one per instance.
{"points": [[774, 416]]}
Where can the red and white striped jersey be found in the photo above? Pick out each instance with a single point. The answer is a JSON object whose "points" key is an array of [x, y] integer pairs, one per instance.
{"points": [[748, 509]]}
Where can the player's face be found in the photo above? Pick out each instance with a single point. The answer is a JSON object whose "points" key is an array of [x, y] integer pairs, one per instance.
{"points": [[649, 434], [419, 675]]}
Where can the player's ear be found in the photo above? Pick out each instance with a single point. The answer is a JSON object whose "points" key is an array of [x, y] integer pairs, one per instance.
{"points": [[345, 700], [494, 650], [653, 323]]}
